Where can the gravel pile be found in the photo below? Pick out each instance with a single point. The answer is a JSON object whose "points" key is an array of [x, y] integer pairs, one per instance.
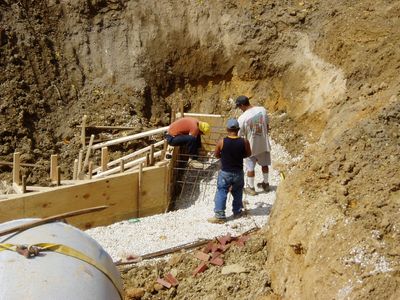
{"points": [[188, 223]]}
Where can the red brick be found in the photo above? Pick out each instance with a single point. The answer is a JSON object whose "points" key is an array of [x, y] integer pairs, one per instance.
{"points": [[171, 279], [224, 239], [214, 247], [202, 256], [218, 261], [201, 268], [223, 248], [216, 254], [208, 247], [164, 283]]}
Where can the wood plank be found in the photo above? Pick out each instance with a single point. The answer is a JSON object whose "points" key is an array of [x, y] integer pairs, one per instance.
{"points": [[8, 163], [118, 192], [53, 167], [131, 137], [129, 156], [153, 200], [108, 127], [17, 168]]}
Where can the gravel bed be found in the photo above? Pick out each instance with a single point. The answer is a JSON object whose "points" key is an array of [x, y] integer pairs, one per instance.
{"points": [[188, 223]]}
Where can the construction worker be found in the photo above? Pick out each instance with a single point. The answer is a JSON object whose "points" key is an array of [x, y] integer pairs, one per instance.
{"points": [[232, 150], [187, 132], [254, 127]]}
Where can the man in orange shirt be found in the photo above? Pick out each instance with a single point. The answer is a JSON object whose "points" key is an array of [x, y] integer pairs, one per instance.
{"points": [[187, 132]]}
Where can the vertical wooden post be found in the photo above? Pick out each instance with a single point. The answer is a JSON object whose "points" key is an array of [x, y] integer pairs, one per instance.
{"points": [[182, 108], [147, 159], [122, 165], [17, 168], [83, 131], [75, 173], [53, 167], [104, 158], [151, 155], [90, 169], [162, 157], [165, 145], [23, 184], [80, 157], [139, 195], [88, 153], [173, 115], [58, 176]]}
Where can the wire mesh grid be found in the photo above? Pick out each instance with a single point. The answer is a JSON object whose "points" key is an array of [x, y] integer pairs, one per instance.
{"points": [[191, 183]]}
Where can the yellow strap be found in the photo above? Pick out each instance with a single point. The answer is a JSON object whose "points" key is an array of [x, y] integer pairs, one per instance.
{"points": [[65, 250]]}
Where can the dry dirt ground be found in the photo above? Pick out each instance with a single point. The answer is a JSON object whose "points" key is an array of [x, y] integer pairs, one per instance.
{"points": [[326, 70]]}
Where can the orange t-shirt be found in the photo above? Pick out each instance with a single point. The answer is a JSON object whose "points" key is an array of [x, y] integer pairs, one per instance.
{"points": [[184, 125]]}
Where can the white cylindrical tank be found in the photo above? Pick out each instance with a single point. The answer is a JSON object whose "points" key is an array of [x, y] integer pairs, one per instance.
{"points": [[53, 275]]}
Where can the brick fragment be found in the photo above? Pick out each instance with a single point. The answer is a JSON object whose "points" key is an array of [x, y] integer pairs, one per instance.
{"points": [[223, 248], [216, 254], [202, 256], [214, 247], [164, 283], [171, 279], [208, 247], [218, 261], [224, 239], [201, 268]]}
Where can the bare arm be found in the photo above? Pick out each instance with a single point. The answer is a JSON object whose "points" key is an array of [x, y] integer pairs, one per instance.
{"points": [[218, 148], [247, 148]]}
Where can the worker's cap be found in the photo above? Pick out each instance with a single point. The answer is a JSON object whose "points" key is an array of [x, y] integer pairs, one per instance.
{"points": [[232, 124], [204, 127], [242, 100]]}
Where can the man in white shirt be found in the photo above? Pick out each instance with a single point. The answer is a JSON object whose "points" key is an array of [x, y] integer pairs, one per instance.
{"points": [[254, 127]]}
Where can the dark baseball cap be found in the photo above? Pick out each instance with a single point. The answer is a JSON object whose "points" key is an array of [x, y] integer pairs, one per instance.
{"points": [[232, 124], [242, 100]]}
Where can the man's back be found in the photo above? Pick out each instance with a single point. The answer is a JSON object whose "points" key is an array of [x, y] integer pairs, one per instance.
{"points": [[254, 127]]}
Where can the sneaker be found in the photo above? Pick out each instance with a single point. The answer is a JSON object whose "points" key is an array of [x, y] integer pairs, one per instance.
{"points": [[250, 191], [195, 164], [264, 186], [216, 220]]}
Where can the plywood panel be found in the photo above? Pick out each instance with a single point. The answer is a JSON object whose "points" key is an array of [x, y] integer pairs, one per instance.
{"points": [[153, 198], [119, 192], [217, 132]]}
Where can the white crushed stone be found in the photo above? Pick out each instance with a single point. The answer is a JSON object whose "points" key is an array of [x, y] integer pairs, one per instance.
{"points": [[188, 223]]}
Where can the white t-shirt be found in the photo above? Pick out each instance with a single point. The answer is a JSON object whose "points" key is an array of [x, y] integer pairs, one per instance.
{"points": [[253, 126]]}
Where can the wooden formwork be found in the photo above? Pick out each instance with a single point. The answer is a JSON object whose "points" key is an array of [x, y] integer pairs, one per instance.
{"points": [[120, 192], [138, 189]]}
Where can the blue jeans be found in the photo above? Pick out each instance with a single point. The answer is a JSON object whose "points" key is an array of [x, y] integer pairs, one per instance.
{"points": [[191, 142], [226, 180]]}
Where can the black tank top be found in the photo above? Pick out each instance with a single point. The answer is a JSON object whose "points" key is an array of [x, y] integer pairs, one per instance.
{"points": [[232, 154]]}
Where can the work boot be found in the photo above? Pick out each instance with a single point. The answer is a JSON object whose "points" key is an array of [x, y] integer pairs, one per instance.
{"points": [[238, 215], [264, 186], [250, 191], [216, 220], [195, 164]]}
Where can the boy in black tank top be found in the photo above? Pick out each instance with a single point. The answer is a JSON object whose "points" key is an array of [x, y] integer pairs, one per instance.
{"points": [[232, 150]]}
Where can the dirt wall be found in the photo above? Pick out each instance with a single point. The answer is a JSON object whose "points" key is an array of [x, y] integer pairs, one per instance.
{"points": [[326, 71]]}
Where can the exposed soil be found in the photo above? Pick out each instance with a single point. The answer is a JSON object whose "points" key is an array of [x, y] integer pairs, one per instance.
{"points": [[326, 70]]}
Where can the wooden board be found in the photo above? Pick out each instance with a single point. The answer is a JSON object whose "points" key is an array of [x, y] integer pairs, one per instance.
{"points": [[153, 198], [119, 192]]}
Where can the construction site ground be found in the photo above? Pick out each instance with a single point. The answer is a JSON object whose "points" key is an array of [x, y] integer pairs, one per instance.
{"points": [[327, 71]]}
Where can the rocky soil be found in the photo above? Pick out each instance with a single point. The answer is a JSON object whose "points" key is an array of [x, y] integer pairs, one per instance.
{"points": [[327, 71]]}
